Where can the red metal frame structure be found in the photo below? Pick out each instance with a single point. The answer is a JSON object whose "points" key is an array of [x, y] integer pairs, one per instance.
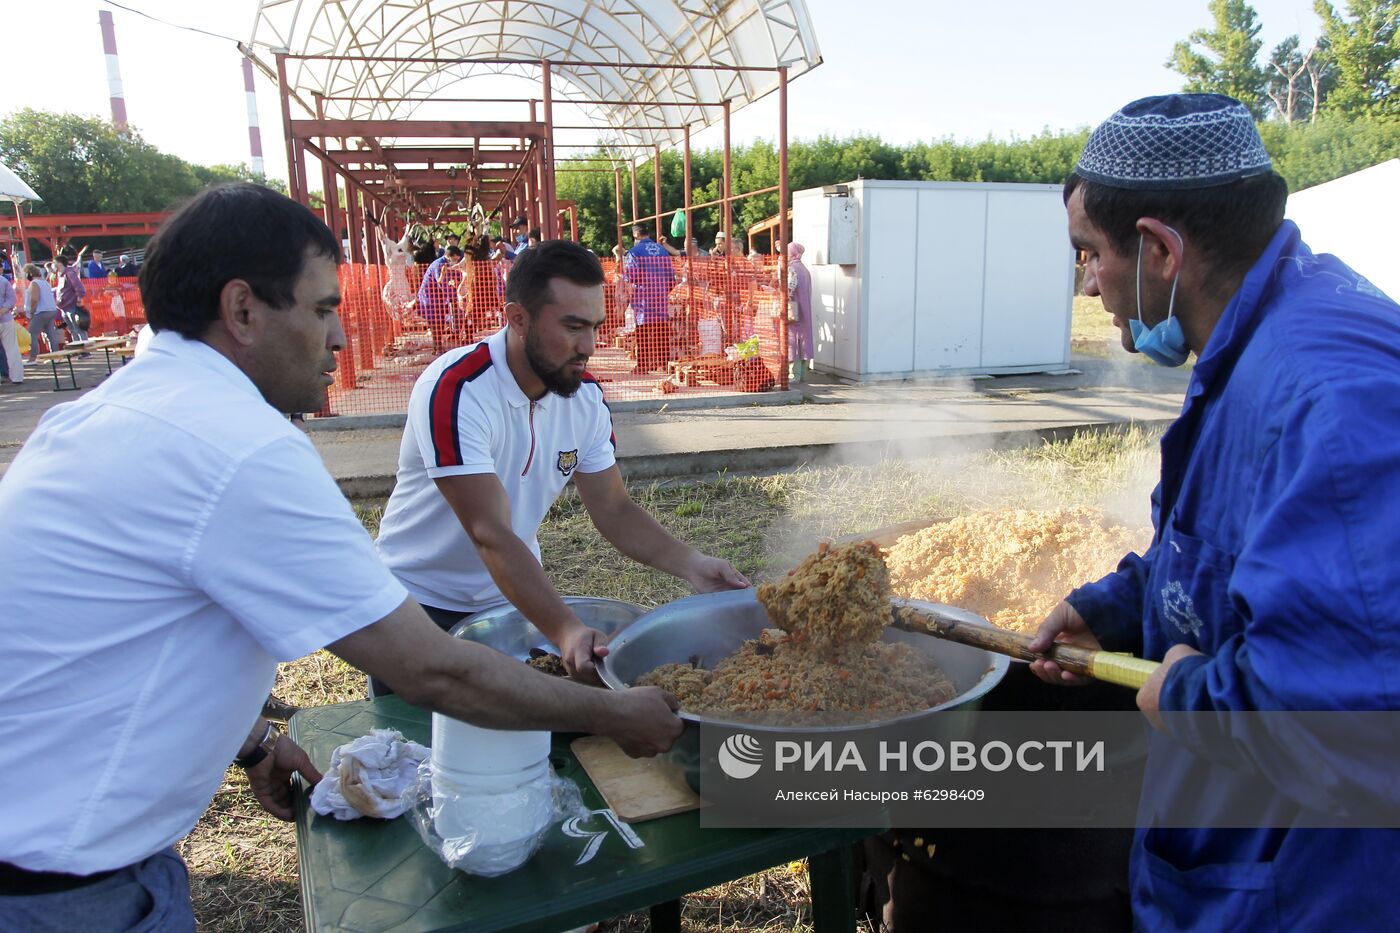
{"points": [[639, 75], [58, 230]]}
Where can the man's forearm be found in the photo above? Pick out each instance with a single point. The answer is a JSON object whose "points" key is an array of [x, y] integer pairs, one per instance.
{"points": [[470, 683], [633, 531], [526, 586]]}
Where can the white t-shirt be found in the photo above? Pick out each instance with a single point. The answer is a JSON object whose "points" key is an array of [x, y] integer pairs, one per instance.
{"points": [[141, 632], [467, 415]]}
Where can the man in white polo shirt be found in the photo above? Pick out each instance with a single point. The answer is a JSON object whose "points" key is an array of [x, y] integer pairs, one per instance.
{"points": [[494, 433], [123, 700]]}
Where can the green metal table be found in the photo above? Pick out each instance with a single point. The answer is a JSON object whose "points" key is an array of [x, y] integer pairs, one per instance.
{"points": [[369, 876]]}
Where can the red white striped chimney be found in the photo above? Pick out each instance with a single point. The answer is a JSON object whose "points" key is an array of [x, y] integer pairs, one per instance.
{"points": [[254, 137], [114, 74]]}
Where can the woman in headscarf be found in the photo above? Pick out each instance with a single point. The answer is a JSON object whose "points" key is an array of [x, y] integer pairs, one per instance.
{"points": [[799, 285]]}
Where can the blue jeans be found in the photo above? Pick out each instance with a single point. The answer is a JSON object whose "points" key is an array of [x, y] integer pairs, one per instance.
{"points": [[152, 896]]}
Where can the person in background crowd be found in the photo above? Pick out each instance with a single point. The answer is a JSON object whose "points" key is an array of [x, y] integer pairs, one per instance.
{"points": [[11, 364], [650, 277], [799, 286], [94, 268], [480, 289], [127, 269], [41, 309], [519, 231], [437, 298], [424, 251], [131, 699], [69, 293], [1270, 584], [7, 267], [494, 434], [500, 249]]}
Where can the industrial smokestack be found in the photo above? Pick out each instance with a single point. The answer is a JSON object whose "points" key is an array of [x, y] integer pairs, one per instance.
{"points": [[114, 74], [254, 137]]}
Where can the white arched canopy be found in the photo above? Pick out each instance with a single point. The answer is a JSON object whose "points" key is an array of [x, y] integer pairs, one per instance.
{"points": [[603, 54]]}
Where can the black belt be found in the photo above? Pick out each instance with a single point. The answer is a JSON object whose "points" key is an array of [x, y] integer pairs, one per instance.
{"points": [[19, 881]]}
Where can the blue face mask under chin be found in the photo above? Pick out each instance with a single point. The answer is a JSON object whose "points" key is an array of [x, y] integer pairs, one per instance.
{"points": [[1164, 343]]}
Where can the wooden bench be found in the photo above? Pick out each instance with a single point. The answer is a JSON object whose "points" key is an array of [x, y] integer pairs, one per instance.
{"points": [[52, 359], [105, 344]]}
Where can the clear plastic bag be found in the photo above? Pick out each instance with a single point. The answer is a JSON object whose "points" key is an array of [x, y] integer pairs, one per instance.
{"points": [[489, 831]]}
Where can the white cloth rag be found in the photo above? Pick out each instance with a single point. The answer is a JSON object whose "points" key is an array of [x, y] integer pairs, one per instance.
{"points": [[368, 777]]}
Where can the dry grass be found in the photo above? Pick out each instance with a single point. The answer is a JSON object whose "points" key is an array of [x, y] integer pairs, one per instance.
{"points": [[1091, 328], [243, 863]]}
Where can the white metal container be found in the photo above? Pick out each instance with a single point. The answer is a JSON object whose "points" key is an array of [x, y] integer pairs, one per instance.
{"points": [[913, 279]]}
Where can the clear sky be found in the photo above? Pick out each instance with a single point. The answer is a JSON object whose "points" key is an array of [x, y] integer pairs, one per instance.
{"points": [[902, 69]]}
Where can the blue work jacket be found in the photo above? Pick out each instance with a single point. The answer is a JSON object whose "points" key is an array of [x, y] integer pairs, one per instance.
{"points": [[649, 271], [1277, 520]]}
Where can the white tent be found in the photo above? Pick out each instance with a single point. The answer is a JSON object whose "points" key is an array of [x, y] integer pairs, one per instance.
{"points": [[1354, 218], [13, 189], [421, 48]]}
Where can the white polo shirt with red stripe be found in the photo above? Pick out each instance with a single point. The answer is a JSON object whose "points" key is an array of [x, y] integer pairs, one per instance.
{"points": [[467, 415]]}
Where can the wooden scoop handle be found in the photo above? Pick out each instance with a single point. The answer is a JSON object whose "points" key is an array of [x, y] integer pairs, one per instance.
{"points": [[1122, 669]]}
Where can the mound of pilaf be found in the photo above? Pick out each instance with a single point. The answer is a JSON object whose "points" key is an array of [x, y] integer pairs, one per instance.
{"points": [[790, 683], [1010, 566], [827, 661], [835, 601]]}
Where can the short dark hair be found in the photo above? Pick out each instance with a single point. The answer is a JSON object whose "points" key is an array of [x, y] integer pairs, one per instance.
{"points": [[452, 251], [453, 236], [528, 284], [1231, 224], [534, 234], [233, 231]]}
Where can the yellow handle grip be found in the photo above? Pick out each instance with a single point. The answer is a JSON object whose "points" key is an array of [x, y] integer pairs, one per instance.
{"points": [[1122, 669]]}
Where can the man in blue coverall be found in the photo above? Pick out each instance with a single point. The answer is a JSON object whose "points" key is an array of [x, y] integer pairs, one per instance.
{"points": [[650, 276], [1272, 581]]}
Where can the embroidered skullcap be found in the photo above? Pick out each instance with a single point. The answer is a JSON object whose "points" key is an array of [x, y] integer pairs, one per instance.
{"points": [[1175, 141]]}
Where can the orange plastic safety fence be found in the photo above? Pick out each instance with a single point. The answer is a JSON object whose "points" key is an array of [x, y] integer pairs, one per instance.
{"points": [[114, 305], [713, 326]]}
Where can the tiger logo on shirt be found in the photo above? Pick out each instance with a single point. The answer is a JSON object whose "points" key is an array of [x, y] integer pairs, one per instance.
{"points": [[568, 460]]}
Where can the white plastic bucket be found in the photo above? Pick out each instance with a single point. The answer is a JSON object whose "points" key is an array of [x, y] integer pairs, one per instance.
{"points": [[492, 830], [463, 748]]}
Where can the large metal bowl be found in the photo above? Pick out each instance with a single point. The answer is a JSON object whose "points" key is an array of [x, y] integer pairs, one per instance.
{"points": [[710, 627], [507, 630]]}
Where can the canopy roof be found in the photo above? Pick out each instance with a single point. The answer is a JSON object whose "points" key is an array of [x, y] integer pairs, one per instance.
{"points": [[387, 59]]}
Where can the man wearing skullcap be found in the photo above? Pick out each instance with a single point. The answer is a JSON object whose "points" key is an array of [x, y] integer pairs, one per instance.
{"points": [[1271, 585]]}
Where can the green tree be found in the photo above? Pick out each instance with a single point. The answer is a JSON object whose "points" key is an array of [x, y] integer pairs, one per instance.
{"points": [[1366, 50], [82, 165], [1299, 81], [1226, 61], [226, 172], [1308, 154]]}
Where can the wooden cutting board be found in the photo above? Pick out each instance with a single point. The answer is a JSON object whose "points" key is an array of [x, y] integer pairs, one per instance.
{"points": [[637, 789]]}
